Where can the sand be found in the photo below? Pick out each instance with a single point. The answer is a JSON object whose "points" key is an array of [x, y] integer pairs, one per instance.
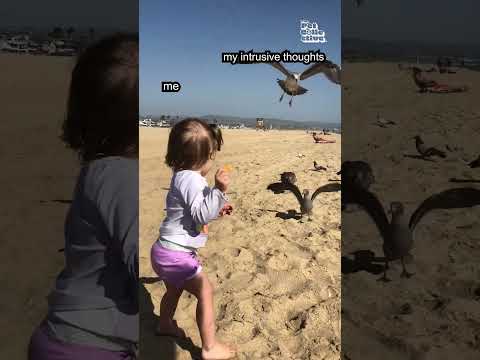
{"points": [[277, 282], [36, 169], [442, 320], [272, 276]]}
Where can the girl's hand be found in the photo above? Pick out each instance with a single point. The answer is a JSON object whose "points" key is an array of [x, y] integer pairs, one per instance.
{"points": [[222, 180], [226, 210]]}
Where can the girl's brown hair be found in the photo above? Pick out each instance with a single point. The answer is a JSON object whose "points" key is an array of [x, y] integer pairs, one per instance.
{"points": [[192, 142], [102, 110]]}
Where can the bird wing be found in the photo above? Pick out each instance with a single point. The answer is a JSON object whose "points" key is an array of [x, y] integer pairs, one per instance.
{"points": [[432, 151], [370, 203], [475, 163], [277, 188], [294, 189], [449, 199], [300, 91], [327, 188], [329, 69], [281, 68]]}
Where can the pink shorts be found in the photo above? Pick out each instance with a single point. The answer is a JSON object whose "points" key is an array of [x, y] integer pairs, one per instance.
{"points": [[174, 267]]}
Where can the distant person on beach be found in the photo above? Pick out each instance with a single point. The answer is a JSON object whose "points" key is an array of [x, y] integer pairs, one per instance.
{"points": [[190, 206], [320, 140], [93, 307], [427, 85]]}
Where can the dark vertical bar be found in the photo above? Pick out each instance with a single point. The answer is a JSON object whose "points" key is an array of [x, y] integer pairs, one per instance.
{"points": [[49, 269], [410, 114]]}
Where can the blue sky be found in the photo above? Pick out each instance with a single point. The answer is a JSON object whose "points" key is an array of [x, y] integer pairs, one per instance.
{"points": [[430, 21], [183, 41]]}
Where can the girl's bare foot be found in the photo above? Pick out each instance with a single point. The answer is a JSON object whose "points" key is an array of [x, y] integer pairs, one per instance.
{"points": [[218, 351], [169, 328]]}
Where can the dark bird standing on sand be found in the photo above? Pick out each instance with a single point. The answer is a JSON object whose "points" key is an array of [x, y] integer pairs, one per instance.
{"points": [[288, 177], [397, 234], [356, 174], [290, 84], [425, 151], [319, 167], [305, 200]]}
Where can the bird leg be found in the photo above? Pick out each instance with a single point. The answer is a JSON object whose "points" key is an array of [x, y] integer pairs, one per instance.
{"points": [[301, 218], [290, 102], [405, 273], [281, 97], [384, 278]]}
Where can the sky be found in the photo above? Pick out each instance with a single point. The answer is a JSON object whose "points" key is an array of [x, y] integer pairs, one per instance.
{"points": [[183, 41], [439, 21], [116, 14]]}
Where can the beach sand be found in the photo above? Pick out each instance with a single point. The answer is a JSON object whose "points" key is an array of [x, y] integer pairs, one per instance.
{"points": [[436, 313], [36, 169], [277, 282]]}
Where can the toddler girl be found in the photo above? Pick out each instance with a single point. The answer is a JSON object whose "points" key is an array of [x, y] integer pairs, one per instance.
{"points": [[191, 205]]}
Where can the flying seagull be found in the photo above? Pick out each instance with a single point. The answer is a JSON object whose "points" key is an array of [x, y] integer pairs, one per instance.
{"points": [[290, 84], [425, 151], [397, 234], [304, 199]]}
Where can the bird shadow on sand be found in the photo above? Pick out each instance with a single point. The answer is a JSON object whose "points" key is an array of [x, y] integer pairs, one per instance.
{"points": [[418, 157], [289, 214], [60, 201], [152, 346], [454, 180], [362, 260]]}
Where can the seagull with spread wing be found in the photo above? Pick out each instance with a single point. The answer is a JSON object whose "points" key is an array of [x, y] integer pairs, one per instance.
{"points": [[305, 199], [290, 84], [397, 234], [425, 151]]}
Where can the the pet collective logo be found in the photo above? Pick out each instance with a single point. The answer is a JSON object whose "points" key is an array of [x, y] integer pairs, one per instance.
{"points": [[310, 33]]}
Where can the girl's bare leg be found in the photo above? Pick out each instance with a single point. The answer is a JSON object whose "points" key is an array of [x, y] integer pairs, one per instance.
{"points": [[202, 289], [166, 325]]}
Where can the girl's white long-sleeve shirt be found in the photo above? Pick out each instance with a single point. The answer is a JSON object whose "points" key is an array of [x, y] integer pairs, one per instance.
{"points": [[190, 204]]}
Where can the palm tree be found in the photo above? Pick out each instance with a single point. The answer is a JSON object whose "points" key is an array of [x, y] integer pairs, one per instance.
{"points": [[70, 32], [57, 33], [91, 34]]}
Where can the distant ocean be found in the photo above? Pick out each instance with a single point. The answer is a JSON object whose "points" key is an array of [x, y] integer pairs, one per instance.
{"points": [[433, 60], [469, 62]]}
